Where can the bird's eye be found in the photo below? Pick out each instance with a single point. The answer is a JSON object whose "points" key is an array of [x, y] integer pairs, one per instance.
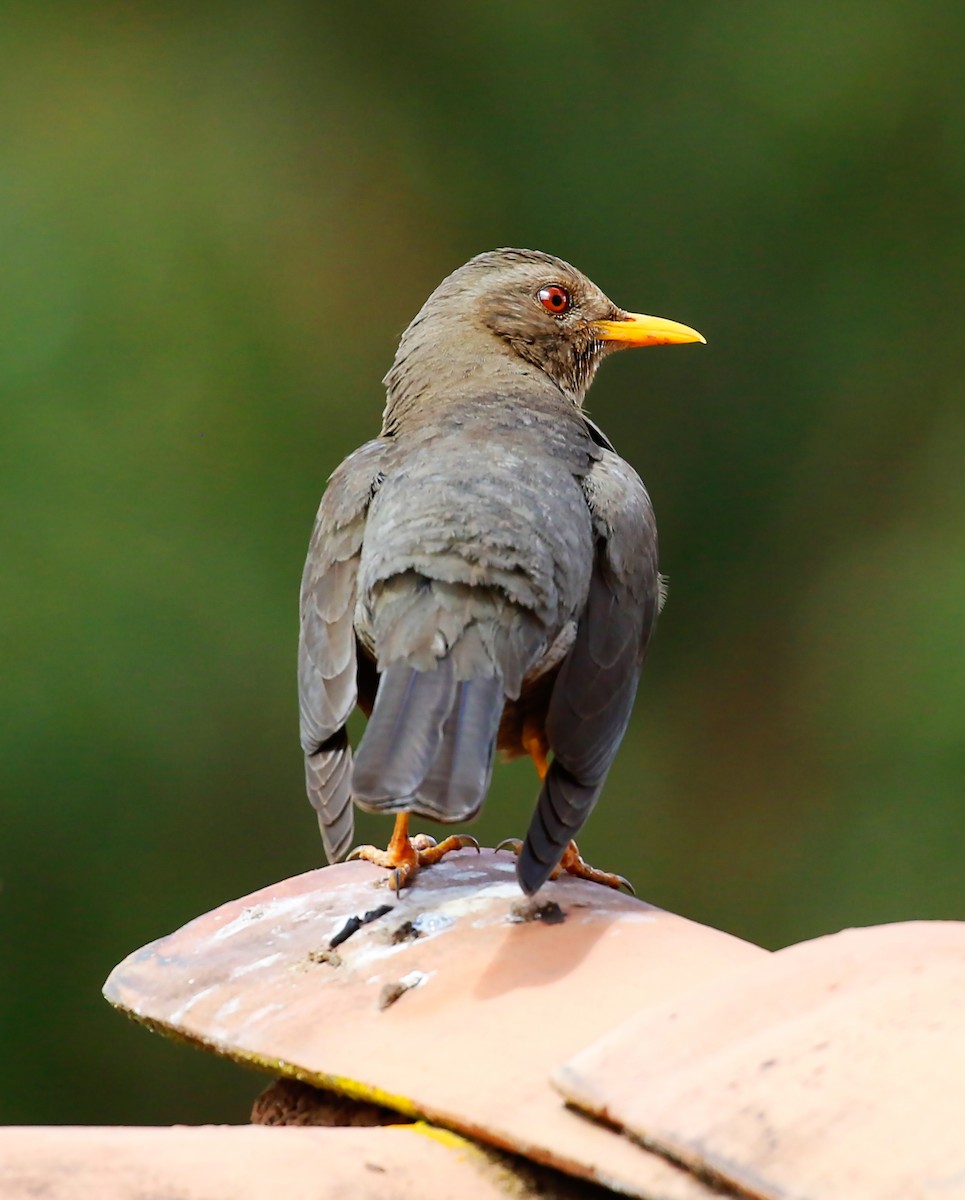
{"points": [[554, 299]]}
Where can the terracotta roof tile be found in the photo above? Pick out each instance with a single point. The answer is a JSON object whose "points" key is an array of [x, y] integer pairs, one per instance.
{"points": [[456, 1003], [831, 1069]]}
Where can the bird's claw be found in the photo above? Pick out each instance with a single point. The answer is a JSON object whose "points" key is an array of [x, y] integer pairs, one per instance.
{"points": [[424, 843], [406, 855], [573, 863]]}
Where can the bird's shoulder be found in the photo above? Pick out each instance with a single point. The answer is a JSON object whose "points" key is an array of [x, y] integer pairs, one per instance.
{"points": [[623, 519], [340, 520], [596, 434], [354, 481]]}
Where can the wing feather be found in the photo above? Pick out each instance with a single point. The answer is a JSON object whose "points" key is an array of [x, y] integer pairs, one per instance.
{"points": [[327, 652], [594, 691]]}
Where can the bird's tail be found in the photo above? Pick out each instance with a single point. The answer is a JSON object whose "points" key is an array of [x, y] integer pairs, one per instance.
{"points": [[430, 743]]}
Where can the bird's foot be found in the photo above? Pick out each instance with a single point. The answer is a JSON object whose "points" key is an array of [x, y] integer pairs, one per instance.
{"points": [[404, 855], [573, 863]]}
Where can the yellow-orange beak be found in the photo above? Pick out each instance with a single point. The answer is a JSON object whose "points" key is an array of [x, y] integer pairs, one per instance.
{"points": [[634, 329]]}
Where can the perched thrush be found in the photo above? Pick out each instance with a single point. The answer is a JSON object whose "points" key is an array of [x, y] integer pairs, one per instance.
{"points": [[483, 575]]}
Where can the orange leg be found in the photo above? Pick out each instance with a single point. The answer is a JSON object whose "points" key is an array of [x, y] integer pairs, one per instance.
{"points": [[536, 746], [404, 855]]}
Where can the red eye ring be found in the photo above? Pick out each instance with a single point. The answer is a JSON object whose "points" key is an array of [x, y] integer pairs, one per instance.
{"points": [[554, 299]]}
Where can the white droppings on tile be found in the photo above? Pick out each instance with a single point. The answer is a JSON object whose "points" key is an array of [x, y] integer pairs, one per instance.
{"points": [[265, 1011], [186, 1007], [275, 908], [229, 1008], [416, 979], [429, 923], [365, 954], [258, 964]]}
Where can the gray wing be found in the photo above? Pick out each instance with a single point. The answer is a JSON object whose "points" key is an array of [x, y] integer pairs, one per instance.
{"points": [[327, 656], [594, 692]]}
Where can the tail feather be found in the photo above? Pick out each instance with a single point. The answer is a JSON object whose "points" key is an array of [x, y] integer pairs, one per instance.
{"points": [[403, 735], [458, 779], [430, 743]]}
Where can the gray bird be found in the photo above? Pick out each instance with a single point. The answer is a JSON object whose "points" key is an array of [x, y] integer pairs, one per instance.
{"points": [[483, 575]]}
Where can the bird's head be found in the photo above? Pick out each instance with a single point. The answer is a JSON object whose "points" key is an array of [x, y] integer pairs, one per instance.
{"points": [[521, 309]]}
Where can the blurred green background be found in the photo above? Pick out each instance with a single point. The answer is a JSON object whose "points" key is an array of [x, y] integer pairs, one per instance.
{"points": [[215, 220]]}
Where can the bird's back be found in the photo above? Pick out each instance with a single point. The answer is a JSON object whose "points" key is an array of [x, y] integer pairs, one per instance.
{"points": [[486, 503], [477, 553]]}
